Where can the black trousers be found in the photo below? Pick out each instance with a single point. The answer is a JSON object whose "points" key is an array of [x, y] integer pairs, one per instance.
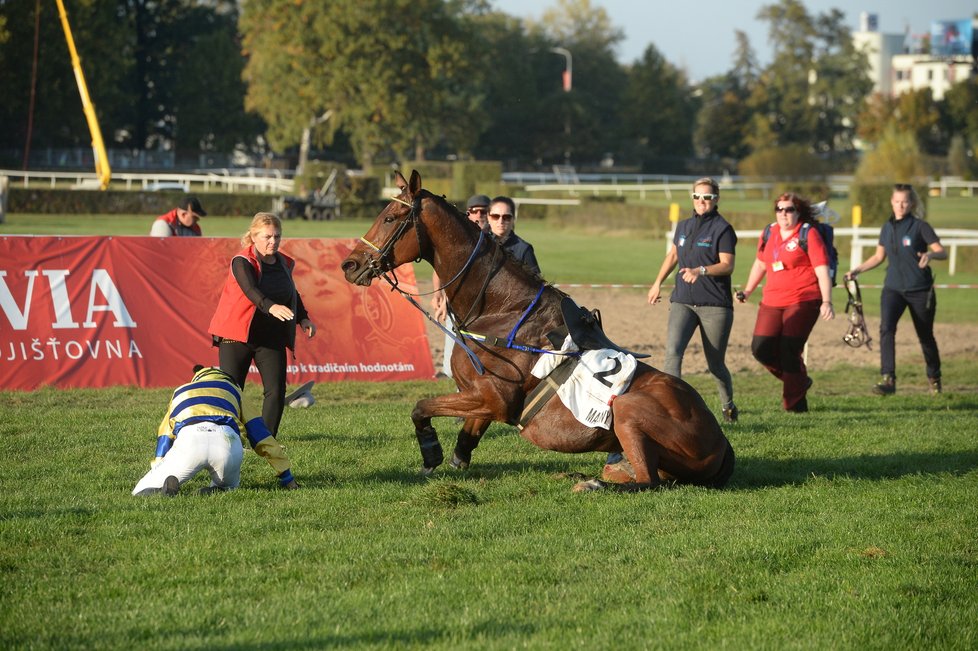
{"points": [[923, 307], [235, 358]]}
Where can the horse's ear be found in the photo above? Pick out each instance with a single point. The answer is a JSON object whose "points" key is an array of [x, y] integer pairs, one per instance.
{"points": [[399, 180], [415, 182]]}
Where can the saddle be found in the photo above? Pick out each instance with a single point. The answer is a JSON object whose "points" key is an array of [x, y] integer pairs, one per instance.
{"points": [[584, 327]]}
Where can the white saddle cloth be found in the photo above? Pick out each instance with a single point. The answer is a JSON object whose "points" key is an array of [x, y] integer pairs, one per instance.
{"points": [[600, 377]]}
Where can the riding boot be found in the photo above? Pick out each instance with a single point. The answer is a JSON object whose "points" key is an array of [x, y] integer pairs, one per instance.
{"points": [[886, 386]]}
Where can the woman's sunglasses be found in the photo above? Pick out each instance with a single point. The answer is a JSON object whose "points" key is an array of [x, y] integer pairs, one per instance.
{"points": [[786, 209]]}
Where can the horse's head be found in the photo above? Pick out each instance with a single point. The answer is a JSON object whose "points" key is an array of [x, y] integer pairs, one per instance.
{"points": [[389, 244]]}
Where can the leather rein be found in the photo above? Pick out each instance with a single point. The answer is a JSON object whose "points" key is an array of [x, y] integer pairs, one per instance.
{"points": [[382, 264]]}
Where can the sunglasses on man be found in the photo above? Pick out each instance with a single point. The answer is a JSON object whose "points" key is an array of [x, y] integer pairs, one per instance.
{"points": [[706, 197]]}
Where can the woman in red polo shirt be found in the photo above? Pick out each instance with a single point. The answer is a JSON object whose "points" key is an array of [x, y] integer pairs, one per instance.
{"points": [[797, 292]]}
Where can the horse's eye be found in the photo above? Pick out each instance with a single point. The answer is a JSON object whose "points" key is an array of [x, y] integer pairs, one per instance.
{"points": [[389, 218]]}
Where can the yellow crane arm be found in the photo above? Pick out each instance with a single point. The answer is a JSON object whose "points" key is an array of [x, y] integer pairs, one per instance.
{"points": [[98, 145]]}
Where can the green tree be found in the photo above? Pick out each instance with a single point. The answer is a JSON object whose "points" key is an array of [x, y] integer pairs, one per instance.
{"points": [[392, 85], [719, 130], [814, 88], [57, 119], [591, 109], [154, 70], [896, 156], [658, 112]]}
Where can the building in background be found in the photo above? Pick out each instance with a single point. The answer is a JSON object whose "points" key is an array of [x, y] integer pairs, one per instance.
{"points": [[901, 63]]}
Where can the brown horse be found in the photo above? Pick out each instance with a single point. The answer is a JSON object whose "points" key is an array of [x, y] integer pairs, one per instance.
{"points": [[664, 427]]}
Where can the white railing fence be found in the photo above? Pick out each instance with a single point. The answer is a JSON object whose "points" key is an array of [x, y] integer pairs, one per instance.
{"points": [[868, 237], [223, 180]]}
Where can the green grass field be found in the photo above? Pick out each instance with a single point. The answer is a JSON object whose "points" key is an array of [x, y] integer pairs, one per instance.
{"points": [[850, 527]]}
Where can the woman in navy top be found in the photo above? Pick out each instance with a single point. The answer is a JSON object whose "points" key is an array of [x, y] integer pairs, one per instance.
{"points": [[910, 243]]}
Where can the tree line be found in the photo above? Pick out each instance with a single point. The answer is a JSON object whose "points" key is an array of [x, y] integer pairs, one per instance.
{"points": [[379, 81]]}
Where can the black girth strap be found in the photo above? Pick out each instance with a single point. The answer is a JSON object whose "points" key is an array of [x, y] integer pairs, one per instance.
{"points": [[546, 390]]}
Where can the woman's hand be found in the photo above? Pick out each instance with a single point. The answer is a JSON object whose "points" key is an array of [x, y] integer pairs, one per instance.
{"points": [[281, 312], [654, 293], [826, 311]]}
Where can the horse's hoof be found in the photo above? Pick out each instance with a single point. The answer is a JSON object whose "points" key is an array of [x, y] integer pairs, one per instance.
{"points": [[458, 463], [426, 471], [588, 486], [618, 473]]}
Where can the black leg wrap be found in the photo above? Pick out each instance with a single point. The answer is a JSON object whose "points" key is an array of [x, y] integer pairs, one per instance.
{"points": [[431, 451], [462, 455]]}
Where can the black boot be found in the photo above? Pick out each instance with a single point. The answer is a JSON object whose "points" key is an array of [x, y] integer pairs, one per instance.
{"points": [[886, 386]]}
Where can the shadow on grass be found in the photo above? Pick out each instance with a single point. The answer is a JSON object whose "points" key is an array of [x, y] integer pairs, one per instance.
{"points": [[755, 472]]}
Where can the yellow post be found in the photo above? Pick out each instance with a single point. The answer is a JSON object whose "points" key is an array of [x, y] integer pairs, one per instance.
{"points": [[673, 220], [857, 216], [98, 146]]}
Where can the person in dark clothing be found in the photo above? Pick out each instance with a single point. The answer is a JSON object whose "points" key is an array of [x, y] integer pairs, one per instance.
{"points": [[703, 248], [910, 244], [502, 222], [257, 314]]}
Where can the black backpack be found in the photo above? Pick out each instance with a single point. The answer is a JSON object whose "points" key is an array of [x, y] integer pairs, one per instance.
{"points": [[828, 237]]}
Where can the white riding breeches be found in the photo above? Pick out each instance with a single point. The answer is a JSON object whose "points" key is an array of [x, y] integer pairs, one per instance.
{"points": [[198, 446]]}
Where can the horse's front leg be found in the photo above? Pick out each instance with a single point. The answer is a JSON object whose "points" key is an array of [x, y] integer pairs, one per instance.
{"points": [[468, 440], [468, 405]]}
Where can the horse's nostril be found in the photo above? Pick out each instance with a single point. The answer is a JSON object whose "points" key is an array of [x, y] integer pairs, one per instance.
{"points": [[348, 266]]}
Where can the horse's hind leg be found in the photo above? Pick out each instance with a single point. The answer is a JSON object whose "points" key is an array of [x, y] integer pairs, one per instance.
{"points": [[641, 453], [468, 439]]}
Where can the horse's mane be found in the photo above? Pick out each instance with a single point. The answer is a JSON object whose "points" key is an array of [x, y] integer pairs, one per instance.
{"points": [[457, 214]]}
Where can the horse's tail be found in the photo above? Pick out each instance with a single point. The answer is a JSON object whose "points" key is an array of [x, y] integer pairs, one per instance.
{"points": [[723, 475]]}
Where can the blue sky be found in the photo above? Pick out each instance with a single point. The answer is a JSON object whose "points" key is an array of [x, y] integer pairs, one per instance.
{"points": [[702, 42]]}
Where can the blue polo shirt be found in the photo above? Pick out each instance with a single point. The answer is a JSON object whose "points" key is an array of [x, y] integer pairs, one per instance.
{"points": [[700, 245], [904, 240]]}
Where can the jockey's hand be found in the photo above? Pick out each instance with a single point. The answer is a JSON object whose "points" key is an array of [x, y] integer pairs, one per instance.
{"points": [[924, 260], [308, 327]]}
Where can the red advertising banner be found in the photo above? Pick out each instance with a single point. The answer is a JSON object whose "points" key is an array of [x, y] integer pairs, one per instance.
{"points": [[102, 311]]}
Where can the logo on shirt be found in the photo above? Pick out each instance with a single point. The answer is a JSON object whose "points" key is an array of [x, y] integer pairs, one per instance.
{"points": [[682, 240], [705, 242], [791, 245], [906, 240]]}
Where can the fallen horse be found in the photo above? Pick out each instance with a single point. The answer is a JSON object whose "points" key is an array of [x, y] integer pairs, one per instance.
{"points": [[504, 313]]}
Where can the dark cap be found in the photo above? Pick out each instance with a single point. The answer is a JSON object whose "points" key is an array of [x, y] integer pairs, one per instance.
{"points": [[477, 200], [193, 203]]}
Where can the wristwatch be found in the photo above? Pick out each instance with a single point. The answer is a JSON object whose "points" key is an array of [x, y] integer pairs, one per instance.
{"points": [[702, 271]]}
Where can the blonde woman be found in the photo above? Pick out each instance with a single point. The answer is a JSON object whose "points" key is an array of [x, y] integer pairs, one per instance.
{"points": [[910, 244], [257, 314]]}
